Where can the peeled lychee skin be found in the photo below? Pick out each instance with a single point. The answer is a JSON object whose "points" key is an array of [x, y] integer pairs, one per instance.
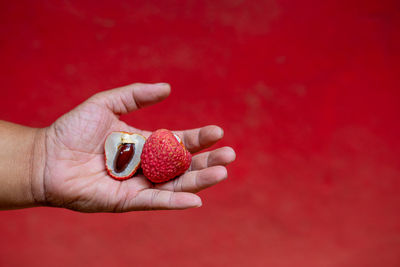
{"points": [[164, 157]]}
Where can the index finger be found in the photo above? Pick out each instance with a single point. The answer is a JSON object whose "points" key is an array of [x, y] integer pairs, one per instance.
{"points": [[200, 138], [194, 139]]}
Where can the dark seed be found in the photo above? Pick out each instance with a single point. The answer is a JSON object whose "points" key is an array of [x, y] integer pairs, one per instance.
{"points": [[123, 157]]}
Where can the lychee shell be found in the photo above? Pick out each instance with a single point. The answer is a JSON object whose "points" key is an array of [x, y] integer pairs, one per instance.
{"points": [[164, 157]]}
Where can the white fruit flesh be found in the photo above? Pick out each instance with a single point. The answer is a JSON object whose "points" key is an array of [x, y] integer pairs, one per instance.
{"points": [[113, 141], [177, 138]]}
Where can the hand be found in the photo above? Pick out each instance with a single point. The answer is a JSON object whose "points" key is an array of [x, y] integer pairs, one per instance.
{"points": [[72, 172]]}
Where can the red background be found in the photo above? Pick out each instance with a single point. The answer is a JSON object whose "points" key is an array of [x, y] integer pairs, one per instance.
{"points": [[306, 91]]}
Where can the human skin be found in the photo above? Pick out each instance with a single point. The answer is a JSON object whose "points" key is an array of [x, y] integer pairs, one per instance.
{"points": [[63, 165]]}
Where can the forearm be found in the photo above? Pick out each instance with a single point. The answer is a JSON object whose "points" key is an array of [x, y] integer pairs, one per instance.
{"points": [[17, 165]]}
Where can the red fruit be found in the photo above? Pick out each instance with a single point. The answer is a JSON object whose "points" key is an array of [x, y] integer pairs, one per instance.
{"points": [[164, 156], [122, 152]]}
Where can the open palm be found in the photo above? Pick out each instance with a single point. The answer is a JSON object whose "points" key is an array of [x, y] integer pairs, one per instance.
{"points": [[74, 174]]}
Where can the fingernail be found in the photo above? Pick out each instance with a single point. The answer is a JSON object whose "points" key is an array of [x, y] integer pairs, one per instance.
{"points": [[161, 84], [199, 204], [220, 132]]}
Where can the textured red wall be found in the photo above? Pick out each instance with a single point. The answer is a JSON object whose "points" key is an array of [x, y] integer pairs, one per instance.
{"points": [[308, 93]]}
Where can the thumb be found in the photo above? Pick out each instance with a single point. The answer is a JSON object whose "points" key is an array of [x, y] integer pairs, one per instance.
{"points": [[128, 98]]}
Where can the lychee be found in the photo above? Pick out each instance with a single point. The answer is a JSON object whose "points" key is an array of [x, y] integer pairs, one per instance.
{"points": [[164, 156], [122, 153]]}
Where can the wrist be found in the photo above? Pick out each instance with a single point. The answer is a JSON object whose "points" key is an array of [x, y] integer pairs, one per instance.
{"points": [[18, 165], [37, 167]]}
